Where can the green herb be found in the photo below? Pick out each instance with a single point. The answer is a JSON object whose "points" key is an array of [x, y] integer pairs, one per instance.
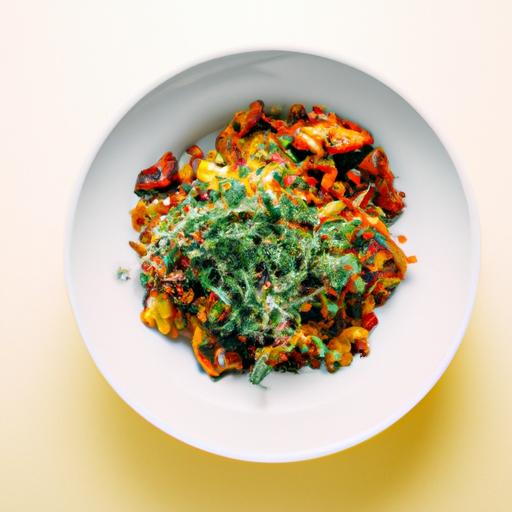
{"points": [[336, 270], [143, 278], [285, 140], [299, 212], [234, 194], [243, 171], [260, 370], [322, 349], [359, 285]]}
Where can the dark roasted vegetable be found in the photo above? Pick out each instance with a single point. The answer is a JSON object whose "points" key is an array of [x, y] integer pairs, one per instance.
{"points": [[158, 177]]}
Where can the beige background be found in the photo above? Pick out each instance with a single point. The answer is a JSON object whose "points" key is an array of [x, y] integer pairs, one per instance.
{"points": [[67, 442]]}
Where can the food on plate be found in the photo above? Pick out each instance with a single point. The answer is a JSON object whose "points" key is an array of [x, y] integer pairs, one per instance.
{"points": [[271, 251]]}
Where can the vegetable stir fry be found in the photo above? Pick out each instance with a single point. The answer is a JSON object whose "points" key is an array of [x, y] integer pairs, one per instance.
{"points": [[272, 251]]}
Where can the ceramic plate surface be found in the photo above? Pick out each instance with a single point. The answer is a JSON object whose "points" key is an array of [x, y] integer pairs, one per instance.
{"points": [[293, 417]]}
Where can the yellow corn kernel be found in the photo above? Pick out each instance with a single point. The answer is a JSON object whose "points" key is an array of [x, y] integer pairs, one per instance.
{"points": [[163, 324], [160, 313], [163, 307], [147, 317], [208, 171]]}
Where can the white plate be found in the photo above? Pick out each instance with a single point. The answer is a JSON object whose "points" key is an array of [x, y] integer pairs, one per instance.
{"points": [[293, 417]]}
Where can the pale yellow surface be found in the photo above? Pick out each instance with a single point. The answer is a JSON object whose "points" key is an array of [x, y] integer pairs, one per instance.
{"points": [[67, 442]]}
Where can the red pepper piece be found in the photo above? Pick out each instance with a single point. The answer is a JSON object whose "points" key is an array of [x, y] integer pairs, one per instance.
{"points": [[158, 177], [289, 179], [388, 198], [310, 181], [370, 320], [227, 142], [330, 172], [354, 177], [277, 124], [248, 119], [367, 198]]}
